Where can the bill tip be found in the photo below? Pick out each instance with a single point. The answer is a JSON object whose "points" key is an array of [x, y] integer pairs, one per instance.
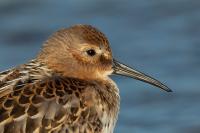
{"points": [[169, 90]]}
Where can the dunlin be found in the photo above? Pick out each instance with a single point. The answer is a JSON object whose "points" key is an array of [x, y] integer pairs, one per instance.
{"points": [[66, 88]]}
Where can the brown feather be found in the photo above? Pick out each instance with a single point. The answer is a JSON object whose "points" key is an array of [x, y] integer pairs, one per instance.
{"points": [[62, 104]]}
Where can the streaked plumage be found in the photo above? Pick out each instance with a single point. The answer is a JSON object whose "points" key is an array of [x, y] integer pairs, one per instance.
{"points": [[63, 89], [34, 98]]}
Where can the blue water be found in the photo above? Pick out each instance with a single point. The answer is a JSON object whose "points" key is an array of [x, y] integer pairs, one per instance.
{"points": [[159, 37]]}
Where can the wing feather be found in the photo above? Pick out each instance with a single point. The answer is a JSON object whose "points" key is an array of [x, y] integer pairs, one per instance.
{"points": [[8, 79], [53, 104], [32, 99]]}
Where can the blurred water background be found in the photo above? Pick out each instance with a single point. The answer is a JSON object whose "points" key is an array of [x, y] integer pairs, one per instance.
{"points": [[159, 37]]}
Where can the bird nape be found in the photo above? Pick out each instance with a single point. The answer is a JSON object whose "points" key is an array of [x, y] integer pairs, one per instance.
{"points": [[66, 88]]}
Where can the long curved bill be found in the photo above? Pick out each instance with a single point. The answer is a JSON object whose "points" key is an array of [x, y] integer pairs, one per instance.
{"points": [[121, 69]]}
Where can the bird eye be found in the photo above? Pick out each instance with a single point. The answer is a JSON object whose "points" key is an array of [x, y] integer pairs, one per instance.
{"points": [[91, 52]]}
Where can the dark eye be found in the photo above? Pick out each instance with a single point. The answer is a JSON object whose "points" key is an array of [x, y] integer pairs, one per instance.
{"points": [[91, 52]]}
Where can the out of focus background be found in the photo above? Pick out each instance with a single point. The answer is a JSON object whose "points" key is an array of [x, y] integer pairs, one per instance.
{"points": [[158, 37]]}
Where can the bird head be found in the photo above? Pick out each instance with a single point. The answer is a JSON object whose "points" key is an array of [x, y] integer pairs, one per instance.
{"points": [[82, 51]]}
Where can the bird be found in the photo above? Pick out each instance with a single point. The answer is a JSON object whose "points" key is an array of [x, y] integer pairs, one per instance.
{"points": [[67, 87]]}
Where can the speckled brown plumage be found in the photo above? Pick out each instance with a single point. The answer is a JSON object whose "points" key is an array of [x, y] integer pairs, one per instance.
{"points": [[53, 103], [66, 88]]}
